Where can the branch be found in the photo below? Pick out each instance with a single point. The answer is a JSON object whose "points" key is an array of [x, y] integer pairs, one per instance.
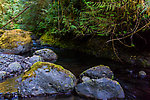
{"points": [[129, 34], [15, 17]]}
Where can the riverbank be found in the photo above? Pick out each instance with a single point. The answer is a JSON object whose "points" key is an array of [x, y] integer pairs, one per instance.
{"points": [[99, 47]]}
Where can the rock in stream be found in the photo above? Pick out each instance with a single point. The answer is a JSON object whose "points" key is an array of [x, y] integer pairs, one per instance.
{"points": [[97, 72], [103, 88], [46, 78], [47, 54], [97, 83]]}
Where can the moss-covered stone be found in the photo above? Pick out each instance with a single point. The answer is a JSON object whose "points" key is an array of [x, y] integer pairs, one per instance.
{"points": [[15, 40], [11, 38], [50, 66], [46, 78]]}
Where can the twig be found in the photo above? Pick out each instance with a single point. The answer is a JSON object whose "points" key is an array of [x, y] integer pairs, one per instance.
{"points": [[114, 49], [113, 46]]}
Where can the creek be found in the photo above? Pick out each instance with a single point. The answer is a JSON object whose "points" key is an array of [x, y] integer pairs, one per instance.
{"points": [[135, 87]]}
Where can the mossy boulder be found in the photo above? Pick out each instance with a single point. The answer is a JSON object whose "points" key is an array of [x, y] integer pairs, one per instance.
{"points": [[15, 41], [97, 72], [103, 88], [46, 78]]}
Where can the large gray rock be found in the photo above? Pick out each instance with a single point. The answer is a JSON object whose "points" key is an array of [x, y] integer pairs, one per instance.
{"points": [[15, 41], [103, 88], [97, 72], [46, 78], [47, 54], [13, 64]]}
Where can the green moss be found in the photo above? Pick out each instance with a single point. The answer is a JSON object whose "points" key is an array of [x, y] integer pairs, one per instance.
{"points": [[9, 85], [50, 40], [34, 67], [10, 38]]}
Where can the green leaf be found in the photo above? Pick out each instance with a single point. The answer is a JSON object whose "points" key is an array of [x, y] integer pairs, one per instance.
{"points": [[124, 32], [132, 45], [73, 27], [111, 14], [101, 34]]}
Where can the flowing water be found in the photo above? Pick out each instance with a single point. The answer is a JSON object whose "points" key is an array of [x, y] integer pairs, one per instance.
{"points": [[135, 87]]}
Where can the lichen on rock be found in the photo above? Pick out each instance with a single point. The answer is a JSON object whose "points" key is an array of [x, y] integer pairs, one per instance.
{"points": [[15, 41]]}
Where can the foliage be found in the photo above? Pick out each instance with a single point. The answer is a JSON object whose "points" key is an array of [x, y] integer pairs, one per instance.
{"points": [[103, 18], [75, 18], [8, 10], [33, 16]]}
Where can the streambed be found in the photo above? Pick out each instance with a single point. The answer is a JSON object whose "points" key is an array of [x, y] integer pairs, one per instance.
{"points": [[135, 87]]}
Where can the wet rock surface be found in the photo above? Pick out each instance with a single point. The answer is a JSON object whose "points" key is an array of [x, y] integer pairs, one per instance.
{"points": [[46, 78], [14, 67], [34, 59], [13, 64], [103, 88], [97, 83], [98, 72], [139, 59], [47, 54]]}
